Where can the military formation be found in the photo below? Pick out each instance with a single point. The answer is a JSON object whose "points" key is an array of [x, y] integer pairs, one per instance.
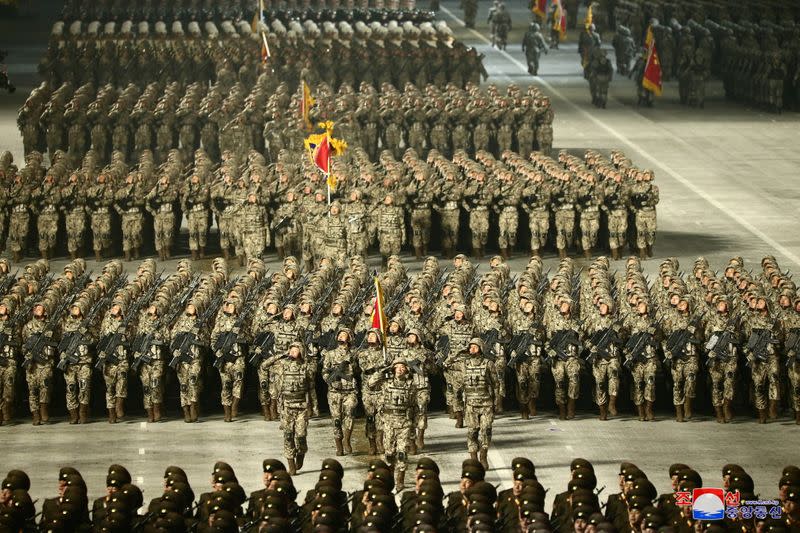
{"points": [[383, 503], [586, 204], [752, 48]]}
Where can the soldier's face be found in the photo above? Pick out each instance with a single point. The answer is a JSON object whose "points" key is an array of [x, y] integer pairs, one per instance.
{"points": [[343, 337], [294, 352], [474, 349], [288, 314], [38, 312], [400, 370], [411, 339]]}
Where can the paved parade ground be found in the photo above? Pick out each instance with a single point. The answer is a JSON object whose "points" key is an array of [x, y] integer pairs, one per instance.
{"points": [[728, 179]]}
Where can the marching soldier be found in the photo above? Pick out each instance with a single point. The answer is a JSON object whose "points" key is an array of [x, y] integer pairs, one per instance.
{"points": [[478, 196], [287, 227], [533, 44], [420, 365], [296, 379], [526, 359], [371, 359], [722, 359], [603, 340], [419, 194], [149, 360], [162, 203], [457, 332], [129, 202], [641, 359], [190, 370], [39, 366], [100, 198], [391, 227], [338, 370], [479, 401], [9, 352], [644, 197], [536, 200], [763, 358], [78, 373], [563, 350], [230, 362], [680, 346], [195, 197]]}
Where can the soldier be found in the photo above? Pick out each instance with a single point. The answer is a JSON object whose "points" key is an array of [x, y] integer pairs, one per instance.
{"points": [[19, 221], [479, 401], [9, 351], [116, 364], [287, 227], [615, 204], [357, 224], [397, 405], [195, 198], [478, 196], [149, 361], [641, 359], [48, 199], [588, 200], [231, 364], [533, 44], [563, 350], [39, 366], [526, 360], [599, 73], [338, 370], [564, 197], [420, 364], [501, 22], [419, 194], [470, 8], [509, 195], [100, 197], [225, 208], [296, 379], [449, 196], [722, 353], [161, 202], [391, 227], [536, 199], [190, 370], [78, 374], [791, 332], [644, 198], [74, 205], [334, 231], [129, 202], [624, 48], [254, 221], [371, 360], [458, 332], [763, 357], [680, 346], [603, 340]]}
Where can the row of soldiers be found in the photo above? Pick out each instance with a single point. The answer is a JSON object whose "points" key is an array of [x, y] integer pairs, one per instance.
{"points": [[338, 53], [256, 205], [205, 10], [476, 505]]}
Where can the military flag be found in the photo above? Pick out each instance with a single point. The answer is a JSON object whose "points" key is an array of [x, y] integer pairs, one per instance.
{"points": [[652, 67], [378, 313], [559, 20], [587, 23], [306, 103], [265, 53], [321, 148], [540, 8]]}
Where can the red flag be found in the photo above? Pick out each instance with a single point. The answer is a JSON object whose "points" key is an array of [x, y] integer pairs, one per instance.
{"points": [[378, 314], [652, 71], [540, 7], [322, 155]]}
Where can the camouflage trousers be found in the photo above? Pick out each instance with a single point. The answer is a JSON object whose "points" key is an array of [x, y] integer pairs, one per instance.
{"points": [[78, 379], [226, 227], [645, 227], [294, 422], [766, 381], [152, 378], [420, 227], [164, 228], [450, 226], [101, 230], [336, 252], [565, 228], [644, 381], [420, 413], [525, 135], [499, 371], [528, 379], [190, 381], [231, 376], [539, 224], [617, 228], [440, 140], [390, 241], [505, 138], [254, 241], [47, 227], [18, 227], [606, 379], [590, 226], [568, 370], [371, 401], [76, 229], [40, 385], [132, 228], [3, 224], [723, 380], [684, 379], [343, 407], [265, 383], [544, 137], [8, 380], [508, 223], [54, 137], [357, 244], [479, 226], [479, 420], [454, 391], [197, 220], [396, 436], [116, 379], [794, 381], [461, 138]]}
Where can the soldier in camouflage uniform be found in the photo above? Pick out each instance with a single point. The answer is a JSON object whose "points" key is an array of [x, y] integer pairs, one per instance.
{"points": [[39, 367], [764, 360], [296, 379], [449, 196], [231, 367], [536, 199], [195, 199], [722, 359], [19, 220], [74, 205], [151, 373], [334, 231], [419, 361], [478, 196], [357, 224], [370, 361], [419, 194], [190, 372], [564, 197], [48, 199], [391, 227], [397, 405], [459, 331], [479, 401], [129, 203], [644, 366], [684, 358], [529, 366], [287, 226], [565, 363], [9, 352], [78, 376], [588, 200], [338, 370], [644, 197], [255, 226], [100, 197], [225, 209], [791, 330], [603, 341], [508, 198], [285, 330], [162, 201], [615, 204], [116, 365]]}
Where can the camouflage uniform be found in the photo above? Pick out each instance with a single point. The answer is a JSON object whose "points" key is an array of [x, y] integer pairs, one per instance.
{"points": [[49, 202], [254, 223], [19, 220], [509, 194], [459, 334], [334, 232], [529, 369], [194, 201], [564, 204], [115, 371], [391, 229], [684, 368], [644, 370], [449, 197], [342, 398], [722, 362], [294, 385], [129, 204], [78, 376], [231, 372], [100, 197], [763, 372], [75, 216], [644, 197], [288, 238], [421, 385], [190, 373], [152, 374], [568, 368], [8, 367], [396, 411], [589, 200], [370, 361], [162, 202], [615, 204], [479, 375], [479, 195], [39, 375], [536, 197], [605, 365], [420, 195]]}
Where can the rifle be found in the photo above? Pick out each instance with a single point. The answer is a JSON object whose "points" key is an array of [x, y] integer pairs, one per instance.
{"points": [[489, 339], [264, 343], [184, 340], [71, 341], [312, 326], [792, 344], [759, 341], [677, 341], [282, 223], [397, 298], [338, 372], [543, 282], [637, 343], [433, 295], [107, 345], [8, 282], [471, 284], [442, 348], [720, 340], [519, 347], [228, 339], [24, 311], [602, 340], [560, 342], [292, 293]]}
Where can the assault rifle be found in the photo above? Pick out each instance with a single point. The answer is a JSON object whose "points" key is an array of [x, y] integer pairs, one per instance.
{"points": [[678, 339], [263, 345], [24, 312], [9, 280], [184, 340], [721, 340], [337, 372], [108, 343], [228, 339], [433, 295], [312, 326], [792, 345], [759, 341], [602, 341], [560, 343], [638, 343], [397, 298], [519, 347], [442, 348], [489, 339]]}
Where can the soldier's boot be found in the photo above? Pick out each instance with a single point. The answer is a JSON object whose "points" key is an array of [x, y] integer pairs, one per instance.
{"points": [[373, 448], [73, 255], [149, 414], [120, 408], [291, 466], [649, 411], [418, 253], [679, 413], [399, 481], [83, 414], [562, 411], [112, 416], [227, 410], [642, 253], [420, 440], [603, 411], [339, 449], [562, 253], [98, 256], [649, 250], [640, 411], [226, 254], [265, 411], [127, 254], [484, 460], [379, 442], [273, 407], [157, 412], [195, 411], [137, 252], [523, 412], [187, 414], [194, 255], [202, 252], [348, 448], [73, 416], [727, 410], [7, 415], [299, 460], [532, 407], [720, 415], [167, 252], [475, 253], [612, 405], [762, 416], [459, 419], [44, 413], [570, 409], [687, 408], [37, 420], [235, 408], [615, 254], [773, 409]]}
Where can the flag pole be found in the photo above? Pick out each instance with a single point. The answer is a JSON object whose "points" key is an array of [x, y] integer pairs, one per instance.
{"points": [[328, 174], [379, 307]]}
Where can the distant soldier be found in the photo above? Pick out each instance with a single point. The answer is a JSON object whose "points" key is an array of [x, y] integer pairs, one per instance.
{"points": [[338, 371], [162, 202], [470, 8], [78, 375], [391, 227], [371, 360], [533, 44], [563, 351], [195, 197], [599, 73], [479, 400], [644, 198], [287, 227], [9, 364], [39, 366], [231, 364], [294, 390], [624, 48], [190, 369]]}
